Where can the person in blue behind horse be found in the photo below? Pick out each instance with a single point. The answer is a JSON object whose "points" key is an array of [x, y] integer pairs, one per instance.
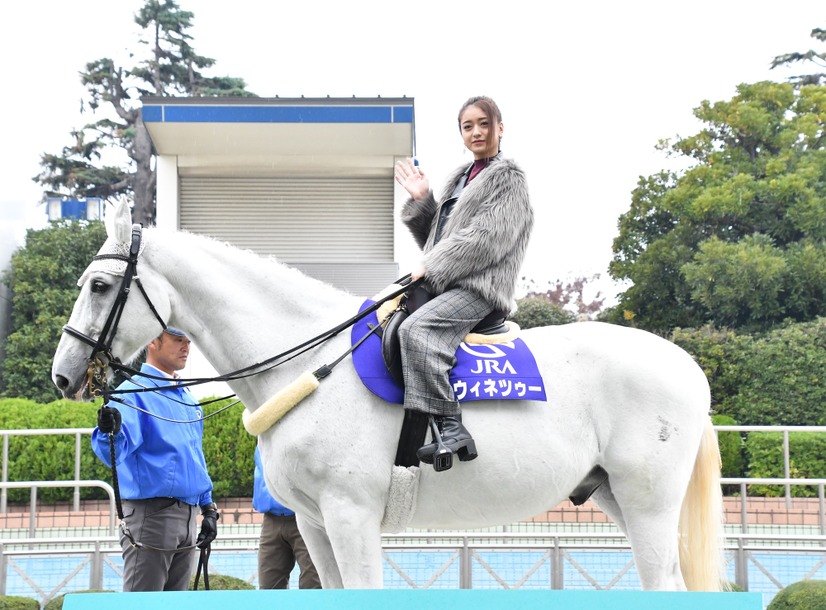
{"points": [[162, 472], [473, 238], [281, 544]]}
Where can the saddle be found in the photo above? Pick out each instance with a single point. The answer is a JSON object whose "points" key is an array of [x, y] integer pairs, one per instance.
{"points": [[493, 324]]}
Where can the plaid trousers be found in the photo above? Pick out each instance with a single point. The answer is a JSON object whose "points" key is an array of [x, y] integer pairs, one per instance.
{"points": [[428, 340]]}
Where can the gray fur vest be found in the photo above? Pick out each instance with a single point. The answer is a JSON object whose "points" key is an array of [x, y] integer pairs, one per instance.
{"points": [[484, 241]]}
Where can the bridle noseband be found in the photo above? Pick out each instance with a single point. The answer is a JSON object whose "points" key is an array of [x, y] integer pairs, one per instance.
{"points": [[101, 355]]}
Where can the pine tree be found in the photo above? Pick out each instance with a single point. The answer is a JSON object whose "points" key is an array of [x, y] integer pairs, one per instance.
{"points": [[171, 67]]}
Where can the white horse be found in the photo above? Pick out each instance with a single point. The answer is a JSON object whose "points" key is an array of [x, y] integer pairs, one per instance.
{"points": [[622, 398]]}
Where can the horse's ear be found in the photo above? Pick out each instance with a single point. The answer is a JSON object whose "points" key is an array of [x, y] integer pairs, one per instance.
{"points": [[118, 220]]}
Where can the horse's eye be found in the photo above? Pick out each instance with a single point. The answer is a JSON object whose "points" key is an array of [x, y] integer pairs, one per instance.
{"points": [[99, 286]]}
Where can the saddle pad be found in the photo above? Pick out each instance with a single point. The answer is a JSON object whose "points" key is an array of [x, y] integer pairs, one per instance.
{"points": [[498, 371]]}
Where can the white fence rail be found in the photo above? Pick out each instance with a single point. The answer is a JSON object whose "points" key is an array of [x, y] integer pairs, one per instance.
{"points": [[426, 559]]}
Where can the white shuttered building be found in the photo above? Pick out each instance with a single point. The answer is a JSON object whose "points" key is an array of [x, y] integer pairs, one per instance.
{"points": [[307, 180]]}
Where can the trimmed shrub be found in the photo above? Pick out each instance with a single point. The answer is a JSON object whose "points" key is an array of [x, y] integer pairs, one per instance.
{"points": [[13, 602], [783, 381], [802, 595], [807, 460], [228, 448], [220, 582], [731, 450], [539, 311]]}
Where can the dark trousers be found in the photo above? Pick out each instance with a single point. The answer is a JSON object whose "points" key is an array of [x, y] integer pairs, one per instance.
{"points": [[160, 523], [281, 545]]}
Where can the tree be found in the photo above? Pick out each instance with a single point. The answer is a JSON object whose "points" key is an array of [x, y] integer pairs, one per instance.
{"points": [[819, 59], [739, 238], [43, 279], [171, 67], [570, 296]]}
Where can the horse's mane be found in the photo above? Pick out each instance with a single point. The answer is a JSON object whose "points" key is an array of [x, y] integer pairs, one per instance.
{"points": [[240, 258]]}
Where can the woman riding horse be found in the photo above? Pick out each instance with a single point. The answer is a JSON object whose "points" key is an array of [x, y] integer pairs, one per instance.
{"points": [[474, 239]]}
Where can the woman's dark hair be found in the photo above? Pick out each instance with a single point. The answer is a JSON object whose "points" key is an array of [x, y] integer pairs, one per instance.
{"points": [[487, 105]]}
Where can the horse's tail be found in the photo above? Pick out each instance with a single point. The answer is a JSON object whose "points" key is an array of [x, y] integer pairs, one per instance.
{"points": [[701, 520]]}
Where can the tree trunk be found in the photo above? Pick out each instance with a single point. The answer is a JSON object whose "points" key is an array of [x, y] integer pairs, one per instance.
{"points": [[145, 178]]}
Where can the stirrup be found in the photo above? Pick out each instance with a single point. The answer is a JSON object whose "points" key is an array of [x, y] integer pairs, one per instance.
{"points": [[442, 457]]}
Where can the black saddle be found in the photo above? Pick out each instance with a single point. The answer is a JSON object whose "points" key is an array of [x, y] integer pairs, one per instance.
{"points": [[492, 324]]}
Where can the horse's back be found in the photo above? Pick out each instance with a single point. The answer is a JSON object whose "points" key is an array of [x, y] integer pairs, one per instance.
{"points": [[619, 397]]}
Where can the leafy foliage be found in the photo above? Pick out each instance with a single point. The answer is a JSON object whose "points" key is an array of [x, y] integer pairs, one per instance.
{"points": [[773, 379], [171, 67], [228, 448], [717, 352], [802, 595], [50, 457], [739, 238], [570, 296], [539, 311], [222, 582], [810, 56], [731, 448], [807, 451], [43, 280], [783, 381], [15, 602]]}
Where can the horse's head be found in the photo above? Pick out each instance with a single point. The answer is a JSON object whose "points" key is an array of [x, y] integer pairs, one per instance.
{"points": [[105, 324]]}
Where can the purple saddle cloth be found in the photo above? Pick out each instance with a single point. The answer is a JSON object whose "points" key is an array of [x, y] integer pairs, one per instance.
{"points": [[498, 371]]}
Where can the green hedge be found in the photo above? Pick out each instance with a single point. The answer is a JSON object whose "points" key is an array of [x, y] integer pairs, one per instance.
{"points": [[731, 448], [227, 446], [773, 379], [807, 460], [14, 602], [803, 595], [229, 451], [221, 582]]}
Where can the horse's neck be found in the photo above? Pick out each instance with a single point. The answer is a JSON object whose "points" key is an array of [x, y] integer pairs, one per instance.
{"points": [[239, 308]]}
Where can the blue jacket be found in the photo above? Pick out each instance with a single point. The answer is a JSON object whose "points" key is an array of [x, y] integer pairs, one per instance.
{"points": [[157, 458], [262, 499]]}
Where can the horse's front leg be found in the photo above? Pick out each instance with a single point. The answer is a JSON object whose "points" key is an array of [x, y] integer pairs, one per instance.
{"points": [[321, 553], [354, 532]]}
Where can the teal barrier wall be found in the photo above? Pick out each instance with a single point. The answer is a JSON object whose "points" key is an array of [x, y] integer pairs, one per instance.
{"points": [[415, 600]]}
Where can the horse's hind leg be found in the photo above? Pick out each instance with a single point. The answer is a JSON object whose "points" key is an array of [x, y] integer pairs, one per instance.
{"points": [[321, 553], [654, 542], [604, 498], [649, 545], [651, 523]]}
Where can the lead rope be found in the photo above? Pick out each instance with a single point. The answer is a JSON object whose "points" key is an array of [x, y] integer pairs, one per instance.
{"points": [[203, 559]]}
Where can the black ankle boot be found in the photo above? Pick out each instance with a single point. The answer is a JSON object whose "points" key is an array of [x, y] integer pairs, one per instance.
{"points": [[454, 437]]}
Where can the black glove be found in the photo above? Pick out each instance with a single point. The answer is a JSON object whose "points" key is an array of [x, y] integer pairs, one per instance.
{"points": [[109, 420], [209, 525]]}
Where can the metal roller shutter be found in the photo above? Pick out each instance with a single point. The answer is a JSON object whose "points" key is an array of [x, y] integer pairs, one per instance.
{"points": [[339, 230]]}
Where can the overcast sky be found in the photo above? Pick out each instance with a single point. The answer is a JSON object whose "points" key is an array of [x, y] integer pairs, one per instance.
{"points": [[586, 88]]}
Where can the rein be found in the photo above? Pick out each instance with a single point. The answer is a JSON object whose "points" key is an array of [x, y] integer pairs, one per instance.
{"points": [[101, 357], [203, 559]]}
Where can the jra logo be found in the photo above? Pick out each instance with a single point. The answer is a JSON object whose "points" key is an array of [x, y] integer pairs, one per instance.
{"points": [[488, 367]]}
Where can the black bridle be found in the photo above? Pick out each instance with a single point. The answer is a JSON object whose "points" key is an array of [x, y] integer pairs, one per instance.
{"points": [[101, 356]]}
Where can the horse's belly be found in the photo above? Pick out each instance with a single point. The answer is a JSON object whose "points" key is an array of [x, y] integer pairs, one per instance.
{"points": [[464, 501]]}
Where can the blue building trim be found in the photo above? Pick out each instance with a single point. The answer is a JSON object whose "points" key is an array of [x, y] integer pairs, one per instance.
{"points": [[191, 113]]}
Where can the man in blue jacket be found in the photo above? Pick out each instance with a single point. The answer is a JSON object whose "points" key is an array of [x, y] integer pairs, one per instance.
{"points": [[281, 544], [161, 470]]}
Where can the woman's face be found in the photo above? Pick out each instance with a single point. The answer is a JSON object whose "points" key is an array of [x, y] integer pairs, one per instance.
{"points": [[480, 133]]}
